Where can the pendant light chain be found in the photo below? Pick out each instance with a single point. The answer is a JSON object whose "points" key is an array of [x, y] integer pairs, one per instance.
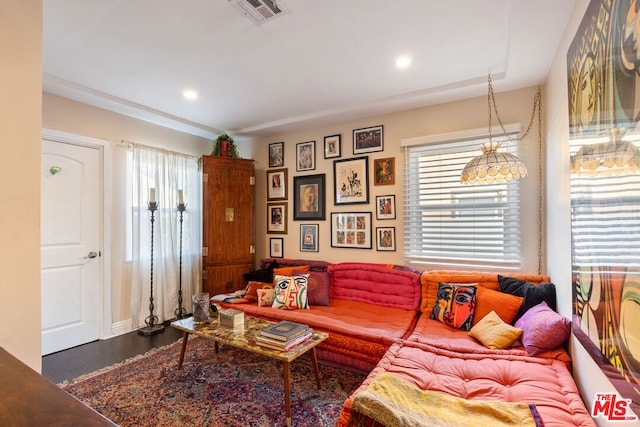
{"points": [[537, 108], [540, 168], [491, 100]]}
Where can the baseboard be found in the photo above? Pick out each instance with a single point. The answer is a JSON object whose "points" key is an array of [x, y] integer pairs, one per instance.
{"points": [[121, 327]]}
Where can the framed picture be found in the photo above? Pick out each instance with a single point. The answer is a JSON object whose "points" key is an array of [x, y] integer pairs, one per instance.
{"points": [[309, 197], [386, 207], [277, 184], [351, 181], [368, 140], [276, 249], [276, 154], [384, 171], [331, 146], [277, 218], [351, 230], [306, 156], [309, 237], [386, 238]]}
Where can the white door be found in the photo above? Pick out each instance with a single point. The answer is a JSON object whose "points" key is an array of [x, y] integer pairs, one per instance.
{"points": [[71, 201]]}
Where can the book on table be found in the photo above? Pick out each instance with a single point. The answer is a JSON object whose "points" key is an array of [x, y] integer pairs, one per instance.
{"points": [[284, 330], [284, 345]]}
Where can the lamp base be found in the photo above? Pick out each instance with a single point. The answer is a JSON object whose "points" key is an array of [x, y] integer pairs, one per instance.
{"points": [[151, 330]]}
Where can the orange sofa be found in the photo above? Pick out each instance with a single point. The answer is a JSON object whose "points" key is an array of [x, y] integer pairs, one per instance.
{"points": [[442, 359]]}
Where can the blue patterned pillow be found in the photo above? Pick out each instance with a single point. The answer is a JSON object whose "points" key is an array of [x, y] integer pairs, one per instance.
{"points": [[291, 292]]}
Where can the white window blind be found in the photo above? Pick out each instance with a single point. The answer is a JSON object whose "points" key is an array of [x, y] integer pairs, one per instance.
{"points": [[448, 224], [605, 220]]}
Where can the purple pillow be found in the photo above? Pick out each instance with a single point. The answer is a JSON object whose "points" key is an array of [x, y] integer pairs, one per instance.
{"points": [[317, 287], [542, 329]]}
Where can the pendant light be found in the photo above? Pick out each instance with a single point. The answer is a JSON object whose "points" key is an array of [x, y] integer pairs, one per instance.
{"points": [[493, 166]]}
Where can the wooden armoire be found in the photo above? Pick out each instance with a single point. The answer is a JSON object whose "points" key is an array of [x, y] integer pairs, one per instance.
{"points": [[228, 223]]}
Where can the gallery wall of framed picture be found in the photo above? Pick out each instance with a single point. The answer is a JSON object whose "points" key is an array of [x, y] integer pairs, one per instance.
{"points": [[277, 184], [351, 181], [332, 147], [305, 156], [276, 247], [350, 184], [385, 238], [309, 197], [351, 230], [309, 237]]}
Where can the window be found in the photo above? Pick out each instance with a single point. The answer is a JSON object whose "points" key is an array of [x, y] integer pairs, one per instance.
{"points": [[605, 230], [167, 173], [448, 224]]}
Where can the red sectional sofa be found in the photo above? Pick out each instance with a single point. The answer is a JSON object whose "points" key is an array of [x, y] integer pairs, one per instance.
{"points": [[442, 359], [370, 306], [378, 319]]}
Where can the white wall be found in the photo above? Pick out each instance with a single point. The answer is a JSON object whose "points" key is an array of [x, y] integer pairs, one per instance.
{"points": [[587, 374], [514, 107], [20, 118]]}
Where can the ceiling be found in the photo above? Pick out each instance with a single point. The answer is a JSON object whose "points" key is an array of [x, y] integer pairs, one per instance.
{"points": [[316, 63]]}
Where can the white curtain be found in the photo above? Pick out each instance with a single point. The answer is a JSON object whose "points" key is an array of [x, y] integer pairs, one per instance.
{"points": [[166, 172]]}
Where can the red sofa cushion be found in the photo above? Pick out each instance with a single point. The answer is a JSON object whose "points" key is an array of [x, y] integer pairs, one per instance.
{"points": [[377, 284]]}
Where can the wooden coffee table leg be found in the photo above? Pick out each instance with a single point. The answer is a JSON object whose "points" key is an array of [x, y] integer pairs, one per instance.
{"points": [[185, 337], [286, 374], [316, 369]]}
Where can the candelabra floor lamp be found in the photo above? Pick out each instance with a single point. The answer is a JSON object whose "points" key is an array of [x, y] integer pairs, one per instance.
{"points": [[152, 327], [180, 311]]}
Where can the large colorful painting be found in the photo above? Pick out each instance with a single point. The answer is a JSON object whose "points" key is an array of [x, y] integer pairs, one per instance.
{"points": [[604, 97], [603, 65]]}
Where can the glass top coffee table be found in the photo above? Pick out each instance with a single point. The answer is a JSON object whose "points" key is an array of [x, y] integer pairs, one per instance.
{"points": [[245, 338]]}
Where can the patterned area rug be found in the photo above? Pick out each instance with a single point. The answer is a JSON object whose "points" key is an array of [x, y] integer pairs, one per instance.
{"points": [[231, 388]]}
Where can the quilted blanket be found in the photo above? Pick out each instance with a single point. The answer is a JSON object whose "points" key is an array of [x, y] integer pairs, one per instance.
{"points": [[392, 401]]}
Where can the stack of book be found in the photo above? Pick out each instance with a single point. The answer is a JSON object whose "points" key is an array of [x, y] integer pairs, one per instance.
{"points": [[284, 335]]}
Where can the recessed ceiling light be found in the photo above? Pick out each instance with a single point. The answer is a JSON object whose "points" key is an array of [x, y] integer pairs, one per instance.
{"points": [[403, 62], [190, 94]]}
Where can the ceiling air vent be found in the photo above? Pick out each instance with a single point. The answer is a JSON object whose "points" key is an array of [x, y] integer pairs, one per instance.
{"points": [[259, 10]]}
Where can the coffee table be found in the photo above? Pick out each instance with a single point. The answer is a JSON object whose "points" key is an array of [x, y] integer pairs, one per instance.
{"points": [[245, 339]]}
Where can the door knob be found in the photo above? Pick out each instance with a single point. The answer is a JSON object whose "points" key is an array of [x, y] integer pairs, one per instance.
{"points": [[92, 255]]}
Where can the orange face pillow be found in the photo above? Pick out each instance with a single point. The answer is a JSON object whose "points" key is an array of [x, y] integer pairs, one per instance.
{"points": [[252, 290]]}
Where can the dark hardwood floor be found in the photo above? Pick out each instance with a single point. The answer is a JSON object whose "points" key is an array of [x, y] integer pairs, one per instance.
{"points": [[86, 358]]}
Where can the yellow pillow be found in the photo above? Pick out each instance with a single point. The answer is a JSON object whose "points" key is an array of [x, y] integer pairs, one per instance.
{"points": [[494, 333], [288, 271]]}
